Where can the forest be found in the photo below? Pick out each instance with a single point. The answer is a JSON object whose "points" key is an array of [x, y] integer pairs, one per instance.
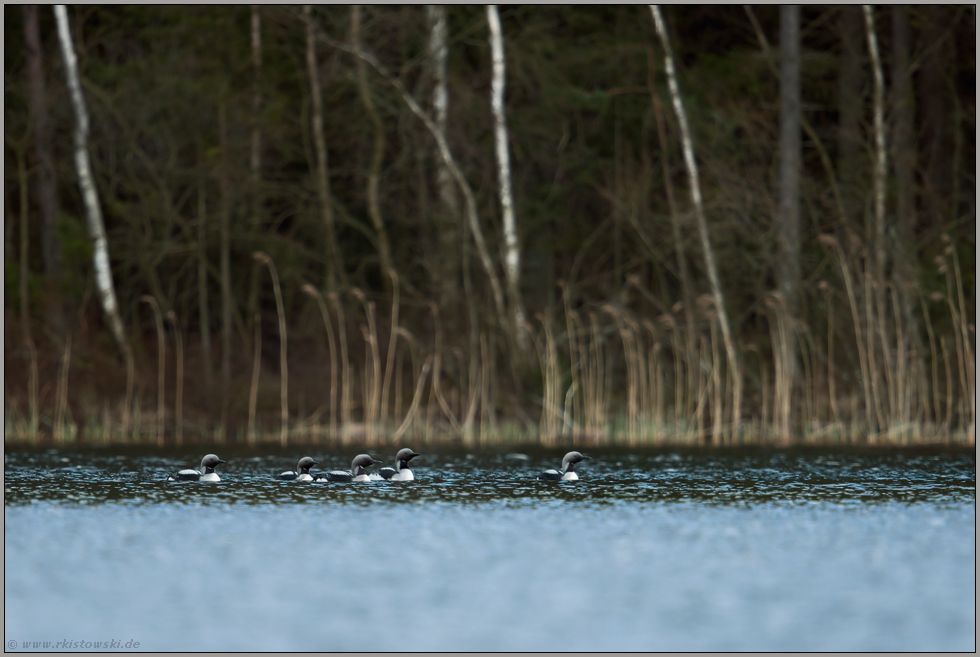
{"points": [[696, 225]]}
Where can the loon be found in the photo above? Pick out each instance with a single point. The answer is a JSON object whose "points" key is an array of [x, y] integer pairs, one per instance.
{"points": [[567, 472], [204, 473], [302, 471], [357, 473], [400, 472]]}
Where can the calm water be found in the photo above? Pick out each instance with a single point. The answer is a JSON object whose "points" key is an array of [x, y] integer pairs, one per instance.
{"points": [[760, 550]]}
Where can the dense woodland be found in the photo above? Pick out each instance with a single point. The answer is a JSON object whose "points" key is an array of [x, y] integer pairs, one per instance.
{"points": [[322, 227]]}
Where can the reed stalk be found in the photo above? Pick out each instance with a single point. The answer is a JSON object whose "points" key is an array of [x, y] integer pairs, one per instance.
{"points": [[831, 243], [780, 351], [949, 388], [543, 433], [572, 336], [179, 400], [717, 416], [399, 374], [375, 427], [262, 258], [130, 377], [161, 367], [643, 413], [901, 357], [484, 388], [655, 389], [764, 425], [554, 376], [459, 393], [345, 384], [436, 387], [61, 402], [392, 346], [578, 357], [965, 330], [888, 366], [830, 356], [631, 376], [807, 357], [32, 404], [315, 293], [595, 355], [416, 399], [253, 392], [668, 321], [954, 284], [658, 374], [872, 364], [472, 396], [702, 396]]}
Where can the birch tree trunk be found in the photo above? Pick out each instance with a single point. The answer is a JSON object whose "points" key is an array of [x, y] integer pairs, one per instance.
{"points": [[47, 195], [93, 211], [472, 214], [675, 227], [709, 258], [512, 251], [335, 266], [448, 229], [788, 266], [881, 156], [878, 231], [86, 184], [789, 157], [378, 152]]}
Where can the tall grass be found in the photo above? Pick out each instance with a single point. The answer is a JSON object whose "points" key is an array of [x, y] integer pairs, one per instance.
{"points": [[607, 374]]}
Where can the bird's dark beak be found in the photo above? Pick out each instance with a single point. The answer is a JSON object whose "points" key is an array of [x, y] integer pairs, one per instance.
{"points": [[586, 458], [376, 462], [316, 463], [220, 462]]}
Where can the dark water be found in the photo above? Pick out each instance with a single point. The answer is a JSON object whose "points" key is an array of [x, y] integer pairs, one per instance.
{"points": [[748, 550]]}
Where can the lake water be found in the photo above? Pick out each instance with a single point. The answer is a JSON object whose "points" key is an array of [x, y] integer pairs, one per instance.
{"points": [[649, 551]]}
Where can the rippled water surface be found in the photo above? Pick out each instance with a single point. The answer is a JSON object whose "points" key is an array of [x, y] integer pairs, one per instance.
{"points": [[741, 550]]}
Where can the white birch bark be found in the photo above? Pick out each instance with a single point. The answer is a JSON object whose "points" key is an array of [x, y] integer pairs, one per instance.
{"points": [[788, 265], [438, 54], [86, 184], [692, 172], [881, 155], [449, 227], [473, 217], [512, 251]]}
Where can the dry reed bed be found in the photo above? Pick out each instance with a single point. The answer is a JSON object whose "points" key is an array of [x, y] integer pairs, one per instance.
{"points": [[607, 376]]}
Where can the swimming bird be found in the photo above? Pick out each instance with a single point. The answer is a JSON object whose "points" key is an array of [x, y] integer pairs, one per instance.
{"points": [[302, 472], [400, 472], [567, 472], [204, 473], [357, 473]]}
